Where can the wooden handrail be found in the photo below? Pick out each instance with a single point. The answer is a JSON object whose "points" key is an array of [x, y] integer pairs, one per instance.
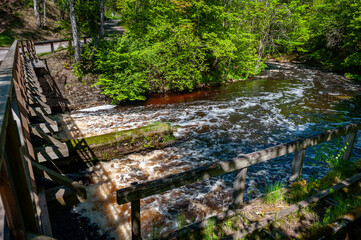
{"points": [[58, 40], [239, 164], [169, 182]]}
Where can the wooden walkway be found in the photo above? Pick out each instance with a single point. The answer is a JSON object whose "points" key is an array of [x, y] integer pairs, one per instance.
{"points": [[25, 119]]}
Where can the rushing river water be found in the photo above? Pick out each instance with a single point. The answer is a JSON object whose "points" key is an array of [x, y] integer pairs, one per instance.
{"points": [[285, 103]]}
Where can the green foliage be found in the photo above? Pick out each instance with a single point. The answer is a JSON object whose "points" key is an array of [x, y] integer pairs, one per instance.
{"points": [[183, 45], [336, 34], [274, 193], [210, 230], [181, 221], [328, 153], [6, 38], [344, 205], [180, 45], [87, 15]]}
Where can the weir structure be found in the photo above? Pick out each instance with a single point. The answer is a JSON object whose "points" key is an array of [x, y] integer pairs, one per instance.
{"points": [[24, 111]]}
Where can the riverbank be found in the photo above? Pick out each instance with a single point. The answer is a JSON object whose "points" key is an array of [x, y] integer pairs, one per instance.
{"points": [[82, 93]]}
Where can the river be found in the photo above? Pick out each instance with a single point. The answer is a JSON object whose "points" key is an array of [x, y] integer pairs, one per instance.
{"points": [[280, 105]]}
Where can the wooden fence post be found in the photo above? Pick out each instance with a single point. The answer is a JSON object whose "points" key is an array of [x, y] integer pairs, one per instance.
{"points": [[349, 141], [297, 165], [52, 47], [135, 218], [238, 188]]}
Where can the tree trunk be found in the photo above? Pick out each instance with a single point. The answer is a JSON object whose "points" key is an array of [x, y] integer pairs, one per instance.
{"points": [[37, 14], [101, 33], [62, 12], [260, 54], [44, 12], [76, 40]]}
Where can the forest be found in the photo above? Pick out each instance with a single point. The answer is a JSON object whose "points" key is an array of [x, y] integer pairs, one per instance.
{"points": [[182, 45]]}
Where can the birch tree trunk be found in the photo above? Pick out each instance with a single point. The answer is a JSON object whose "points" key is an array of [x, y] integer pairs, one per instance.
{"points": [[37, 14], [44, 12], [76, 40], [101, 33]]}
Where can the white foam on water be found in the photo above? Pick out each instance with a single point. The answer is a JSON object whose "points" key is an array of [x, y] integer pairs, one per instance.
{"points": [[98, 108], [208, 131]]}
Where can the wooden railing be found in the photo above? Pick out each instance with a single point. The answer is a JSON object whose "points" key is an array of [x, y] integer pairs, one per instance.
{"points": [[239, 164], [20, 98], [51, 42], [16, 180]]}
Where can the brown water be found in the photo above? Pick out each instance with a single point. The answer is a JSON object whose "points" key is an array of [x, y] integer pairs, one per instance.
{"points": [[217, 124]]}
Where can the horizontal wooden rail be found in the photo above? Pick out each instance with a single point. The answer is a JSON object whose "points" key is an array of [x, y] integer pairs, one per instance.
{"points": [[143, 190], [294, 208], [61, 179], [239, 164], [58, 40]]}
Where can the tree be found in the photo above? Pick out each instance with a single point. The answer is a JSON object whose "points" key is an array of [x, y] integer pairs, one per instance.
{"points": [[76, 39], [44, 12], [101, 32], [37, 14]]}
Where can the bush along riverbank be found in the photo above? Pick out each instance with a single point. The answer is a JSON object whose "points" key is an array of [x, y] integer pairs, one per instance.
{"points": [[105, 147], [184, 45]]}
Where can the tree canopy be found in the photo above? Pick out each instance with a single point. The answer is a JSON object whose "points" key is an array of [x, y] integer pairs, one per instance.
{"points": [[180, 45]]}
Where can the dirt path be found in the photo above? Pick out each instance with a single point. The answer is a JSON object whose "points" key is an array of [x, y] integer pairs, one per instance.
{"points": [[112, 26]]}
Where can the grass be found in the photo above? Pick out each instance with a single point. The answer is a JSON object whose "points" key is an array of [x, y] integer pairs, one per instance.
{"points": [[344, 205], [6, 38], [274, 193]]}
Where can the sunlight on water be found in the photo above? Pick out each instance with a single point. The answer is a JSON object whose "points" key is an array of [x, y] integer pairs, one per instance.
{"points": [[213, 125]]}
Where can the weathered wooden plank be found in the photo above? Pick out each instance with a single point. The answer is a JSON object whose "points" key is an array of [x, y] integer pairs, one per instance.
{"points": [[46, 127], [6, 71], [297, 165], [146, 189], [36, 236], [295, 207], [56, 40], [61, 179], [40, 133], [44, 214], [195, 227], [11, 206], [49, 153], [43, 110], [61, 196], [18, 173], [348, 145], [39, 65], [4, 117], [35, 92], [4, 228], [135, 218], [45, 118], [239, 187], [33, 102]]}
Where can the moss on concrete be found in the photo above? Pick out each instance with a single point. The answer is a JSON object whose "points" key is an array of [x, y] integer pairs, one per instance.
{"points": [[116, 144]]}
